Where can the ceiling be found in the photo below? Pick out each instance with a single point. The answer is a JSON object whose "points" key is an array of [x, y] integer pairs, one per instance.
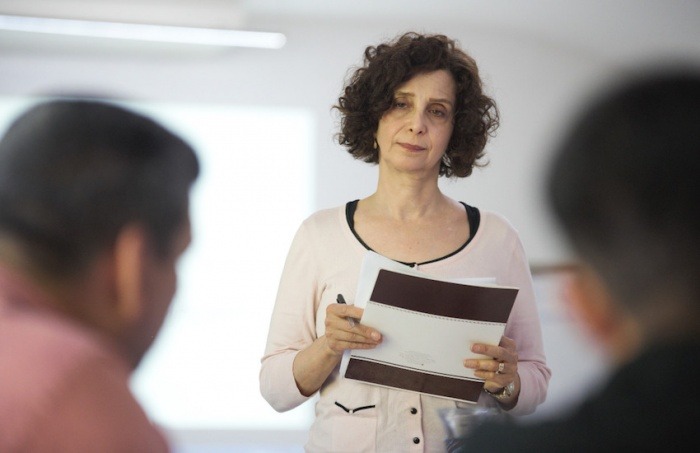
{"points": [[620, 28]]}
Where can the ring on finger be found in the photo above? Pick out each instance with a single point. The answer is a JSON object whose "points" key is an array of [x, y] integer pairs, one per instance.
{"points": [[501, 368]]}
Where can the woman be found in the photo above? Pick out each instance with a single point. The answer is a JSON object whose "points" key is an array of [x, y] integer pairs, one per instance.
{"points": [[417, 110]]}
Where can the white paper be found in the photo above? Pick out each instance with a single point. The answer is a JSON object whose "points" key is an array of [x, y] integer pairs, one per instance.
{"points": [[409, 338]]}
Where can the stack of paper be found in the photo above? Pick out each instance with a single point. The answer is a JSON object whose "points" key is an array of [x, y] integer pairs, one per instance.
{"points": [[428, 327]]}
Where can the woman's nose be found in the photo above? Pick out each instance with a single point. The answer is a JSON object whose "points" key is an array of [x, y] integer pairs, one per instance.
{"points": [[417, 123]]}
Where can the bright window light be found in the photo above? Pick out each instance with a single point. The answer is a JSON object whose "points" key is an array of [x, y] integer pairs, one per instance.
{"points": [[254, 190]]}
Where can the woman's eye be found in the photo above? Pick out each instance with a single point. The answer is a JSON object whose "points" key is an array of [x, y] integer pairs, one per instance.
{"points": [[438, 112], [398, 104]]}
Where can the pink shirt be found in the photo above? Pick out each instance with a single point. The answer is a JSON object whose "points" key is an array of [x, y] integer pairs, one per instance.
{"points": [[62, 388], [324, 260]]}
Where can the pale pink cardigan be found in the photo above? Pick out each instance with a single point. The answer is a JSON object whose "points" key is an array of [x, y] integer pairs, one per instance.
{"points": [[323, 261]]}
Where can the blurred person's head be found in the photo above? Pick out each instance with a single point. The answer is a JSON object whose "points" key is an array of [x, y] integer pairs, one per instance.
{"points": [[624, 186], [94, 209], [370, 94]]}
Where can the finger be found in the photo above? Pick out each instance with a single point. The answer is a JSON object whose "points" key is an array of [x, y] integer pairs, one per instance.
{"points": [[493, 367], [340, 340], [485, 369], [339, 345], [481, 365], [350, 311], [367, 332], [501, 368], [487, 350], [498, 353], [494, 379], [341, 330], [336, 312], [344, 311]]}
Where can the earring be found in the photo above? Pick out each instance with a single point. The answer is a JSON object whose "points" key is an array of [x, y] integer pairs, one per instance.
{"points": [[376, 145]]}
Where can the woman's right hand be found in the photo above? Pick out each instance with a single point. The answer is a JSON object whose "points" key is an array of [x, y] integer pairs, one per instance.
{"points": [[314, 364], [344, 332]]}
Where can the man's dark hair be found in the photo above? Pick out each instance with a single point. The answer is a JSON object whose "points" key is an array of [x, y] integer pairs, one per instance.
{"points": [[624, 185], [74, 172]]}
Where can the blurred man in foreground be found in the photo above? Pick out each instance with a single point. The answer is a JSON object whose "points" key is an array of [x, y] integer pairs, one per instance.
{"points": [[624, 185], [93, 218]]}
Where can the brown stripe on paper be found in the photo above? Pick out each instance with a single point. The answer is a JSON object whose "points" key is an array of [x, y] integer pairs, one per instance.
{"points": [[411, 293], [417, 381]]}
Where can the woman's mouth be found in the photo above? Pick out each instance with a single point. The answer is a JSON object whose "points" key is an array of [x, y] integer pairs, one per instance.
{"points": [[411, 147]]}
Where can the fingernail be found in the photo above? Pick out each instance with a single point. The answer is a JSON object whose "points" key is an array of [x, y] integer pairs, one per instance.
{"points": [[375, 336], [477, 348], [470, 363]]}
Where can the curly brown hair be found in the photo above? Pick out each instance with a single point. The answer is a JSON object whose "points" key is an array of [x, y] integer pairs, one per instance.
{"points": [[369, 94]]}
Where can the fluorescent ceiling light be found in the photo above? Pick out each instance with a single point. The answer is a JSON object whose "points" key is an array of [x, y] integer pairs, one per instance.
{"points": [[144, 32]]}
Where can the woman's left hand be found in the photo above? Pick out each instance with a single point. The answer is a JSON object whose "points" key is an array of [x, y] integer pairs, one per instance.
{"points": [[500, 370]]}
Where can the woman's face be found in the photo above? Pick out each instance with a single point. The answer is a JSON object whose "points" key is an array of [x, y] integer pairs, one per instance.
{"points": [[414, 133]]}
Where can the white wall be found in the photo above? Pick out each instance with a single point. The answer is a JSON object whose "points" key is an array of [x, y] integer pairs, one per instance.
{"points": [[536, 79], [539, 64]]}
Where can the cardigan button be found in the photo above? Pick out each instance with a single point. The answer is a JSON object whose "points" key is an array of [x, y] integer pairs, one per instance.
{"points": [[416, 440], [414, 411]]}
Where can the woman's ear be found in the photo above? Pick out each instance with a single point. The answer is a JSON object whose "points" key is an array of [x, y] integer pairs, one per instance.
{"points": [[130, 255]]}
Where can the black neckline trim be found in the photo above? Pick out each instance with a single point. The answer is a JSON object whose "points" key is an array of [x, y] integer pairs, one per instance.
{"points": [[473, 217]]}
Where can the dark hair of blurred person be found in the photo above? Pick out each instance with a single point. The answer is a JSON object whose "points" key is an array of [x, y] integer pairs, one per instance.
{"points": [[624, 186], [93, 218]]}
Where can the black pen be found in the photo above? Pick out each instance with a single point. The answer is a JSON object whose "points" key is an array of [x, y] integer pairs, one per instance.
{"points": [[341, 300]]}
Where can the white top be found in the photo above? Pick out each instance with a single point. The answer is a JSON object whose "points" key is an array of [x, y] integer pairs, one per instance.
{"points": [[324, 260]]}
